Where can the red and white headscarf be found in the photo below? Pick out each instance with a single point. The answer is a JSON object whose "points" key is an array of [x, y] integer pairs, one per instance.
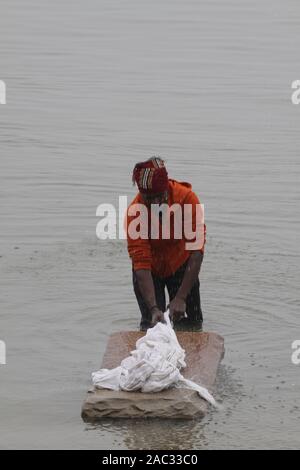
{"points": [[151, 176]]}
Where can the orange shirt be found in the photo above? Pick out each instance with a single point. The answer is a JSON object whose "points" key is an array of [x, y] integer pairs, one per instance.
{"points": [[165, 256]]}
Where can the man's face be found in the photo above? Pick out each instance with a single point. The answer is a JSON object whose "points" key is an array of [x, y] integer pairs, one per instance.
{"points": [[159, 198]]}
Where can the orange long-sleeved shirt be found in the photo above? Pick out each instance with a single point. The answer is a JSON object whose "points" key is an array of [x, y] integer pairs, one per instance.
{"points": [[165, 256]]}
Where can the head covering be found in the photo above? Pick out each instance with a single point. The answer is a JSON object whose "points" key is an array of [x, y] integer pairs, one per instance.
{"points": [[151, 176]]}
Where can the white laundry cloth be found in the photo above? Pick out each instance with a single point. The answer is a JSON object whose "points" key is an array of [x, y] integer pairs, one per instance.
{"points": [[153, 366]]}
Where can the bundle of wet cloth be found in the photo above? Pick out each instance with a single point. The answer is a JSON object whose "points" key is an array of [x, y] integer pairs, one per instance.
{"points": [[152, 367]]}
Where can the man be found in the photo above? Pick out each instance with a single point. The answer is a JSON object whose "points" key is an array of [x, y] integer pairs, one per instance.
{"points": [[160, 262]]}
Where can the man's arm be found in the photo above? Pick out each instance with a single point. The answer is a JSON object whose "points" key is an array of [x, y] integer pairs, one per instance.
{"points": [[178, 304], [146, 286]]}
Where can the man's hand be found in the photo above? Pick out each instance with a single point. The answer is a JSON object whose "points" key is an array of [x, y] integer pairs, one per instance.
{"points": [[157, 315], [177, 309]]}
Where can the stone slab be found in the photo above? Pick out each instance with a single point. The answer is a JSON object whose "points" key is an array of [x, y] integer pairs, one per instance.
{"points": [[204, 352]]}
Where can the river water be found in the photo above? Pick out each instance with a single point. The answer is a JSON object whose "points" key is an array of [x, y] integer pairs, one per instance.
{"points": [[92, 88]]}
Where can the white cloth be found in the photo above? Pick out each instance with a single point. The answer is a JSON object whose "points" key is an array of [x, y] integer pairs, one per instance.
{"points": [[153, 366]]}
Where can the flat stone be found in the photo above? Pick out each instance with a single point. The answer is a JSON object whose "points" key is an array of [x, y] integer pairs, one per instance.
{"points": [[204, 352]]}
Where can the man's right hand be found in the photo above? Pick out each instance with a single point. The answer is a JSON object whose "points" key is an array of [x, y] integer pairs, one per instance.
{"points": [[157, 315]]}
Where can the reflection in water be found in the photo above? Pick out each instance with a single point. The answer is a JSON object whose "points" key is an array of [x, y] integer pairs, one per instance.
{"points": [[164, 435], [154, 434]]}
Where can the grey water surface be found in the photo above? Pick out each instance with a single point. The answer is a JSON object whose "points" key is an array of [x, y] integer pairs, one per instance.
{"points": [[93, 87]]}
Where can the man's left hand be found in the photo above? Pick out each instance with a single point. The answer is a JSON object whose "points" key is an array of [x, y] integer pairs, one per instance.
{"points": [[177, 309]]}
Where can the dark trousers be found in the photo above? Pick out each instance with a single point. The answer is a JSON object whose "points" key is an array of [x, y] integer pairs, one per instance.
{"points": [[172, 283]]}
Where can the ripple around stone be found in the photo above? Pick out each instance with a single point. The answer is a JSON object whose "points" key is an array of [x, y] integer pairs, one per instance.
{"points": [[204, 352]]}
